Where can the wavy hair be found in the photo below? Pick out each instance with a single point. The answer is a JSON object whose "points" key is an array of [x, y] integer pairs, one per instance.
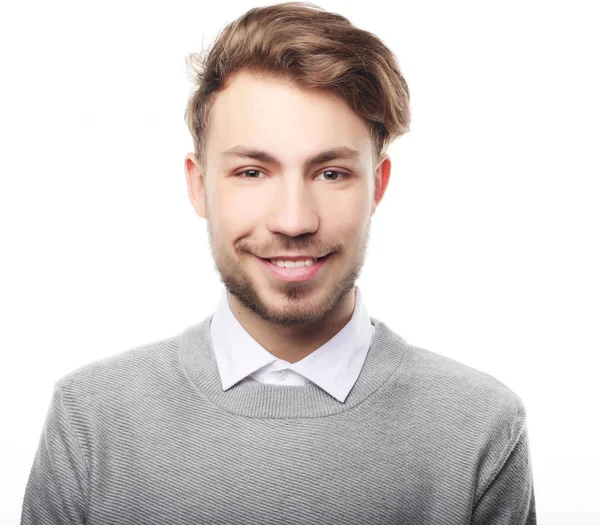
{"points": [[302, 43]]}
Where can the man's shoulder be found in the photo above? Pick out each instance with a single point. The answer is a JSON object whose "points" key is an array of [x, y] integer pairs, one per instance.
{"points": [[126, 370], [457, 387]]}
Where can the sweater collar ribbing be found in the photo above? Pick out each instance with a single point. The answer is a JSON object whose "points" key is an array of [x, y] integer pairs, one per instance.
{"points": [[263, 400]]}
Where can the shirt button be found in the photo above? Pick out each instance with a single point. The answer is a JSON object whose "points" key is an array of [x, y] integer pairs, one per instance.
{"points": [[280, 374]]}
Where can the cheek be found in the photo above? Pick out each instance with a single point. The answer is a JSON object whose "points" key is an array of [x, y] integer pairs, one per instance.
{"points": [[235, 212], [347, 216], [231, 206]]}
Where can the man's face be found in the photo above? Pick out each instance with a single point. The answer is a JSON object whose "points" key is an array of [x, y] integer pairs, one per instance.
{"points": [[275, 206]]}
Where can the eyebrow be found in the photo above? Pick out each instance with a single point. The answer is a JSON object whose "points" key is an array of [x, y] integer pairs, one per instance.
{"points": [[342, 152]]}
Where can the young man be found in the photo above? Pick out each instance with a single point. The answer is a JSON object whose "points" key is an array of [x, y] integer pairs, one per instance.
{"points": [[289, 404]]}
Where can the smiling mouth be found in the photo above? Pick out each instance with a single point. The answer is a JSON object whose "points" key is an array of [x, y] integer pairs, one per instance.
{"points": [[295, 273], [295, 260]]}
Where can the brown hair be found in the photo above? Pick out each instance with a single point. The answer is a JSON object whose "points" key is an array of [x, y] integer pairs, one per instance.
{"points": [[302, 43]]}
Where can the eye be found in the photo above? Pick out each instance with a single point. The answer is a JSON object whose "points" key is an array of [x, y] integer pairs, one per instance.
{"points": [[252, 174], [336, 172]]}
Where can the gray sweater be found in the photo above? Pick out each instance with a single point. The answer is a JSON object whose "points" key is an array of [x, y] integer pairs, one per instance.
{"points": [[148, 436]]}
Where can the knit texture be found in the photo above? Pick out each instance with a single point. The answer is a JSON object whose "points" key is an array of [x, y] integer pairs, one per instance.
{"points": [[148, 436]]}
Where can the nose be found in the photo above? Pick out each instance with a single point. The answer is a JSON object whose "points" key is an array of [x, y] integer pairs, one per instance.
{"points": [[293, 210]]}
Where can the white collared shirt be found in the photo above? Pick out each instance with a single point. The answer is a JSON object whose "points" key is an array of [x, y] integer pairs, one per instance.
{"points": [[334, 366]]}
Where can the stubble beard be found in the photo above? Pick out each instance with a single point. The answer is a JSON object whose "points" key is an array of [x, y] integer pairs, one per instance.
{"points": [[245, 289]]}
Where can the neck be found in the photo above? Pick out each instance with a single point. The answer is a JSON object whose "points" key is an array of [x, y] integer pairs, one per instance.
{"points": [[293, 343]]}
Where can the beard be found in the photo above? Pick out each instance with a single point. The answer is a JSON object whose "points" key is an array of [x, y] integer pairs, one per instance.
{"points": [[295, 311]]}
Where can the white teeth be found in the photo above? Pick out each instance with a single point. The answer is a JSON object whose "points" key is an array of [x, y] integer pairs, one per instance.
{"points": [[293, 264]]}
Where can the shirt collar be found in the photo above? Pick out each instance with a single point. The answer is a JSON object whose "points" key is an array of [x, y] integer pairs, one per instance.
{"points": [[334, 367]]}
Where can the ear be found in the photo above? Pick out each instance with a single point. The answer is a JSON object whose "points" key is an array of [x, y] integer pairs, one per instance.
{"points": [[382, 177], [195, 184]]}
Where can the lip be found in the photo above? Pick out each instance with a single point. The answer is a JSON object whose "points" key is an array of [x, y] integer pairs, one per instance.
{"points": [[293, 257], [304, 273]]}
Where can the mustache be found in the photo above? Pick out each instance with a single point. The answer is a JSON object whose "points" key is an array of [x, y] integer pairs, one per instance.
{"points": [[285, 244]]}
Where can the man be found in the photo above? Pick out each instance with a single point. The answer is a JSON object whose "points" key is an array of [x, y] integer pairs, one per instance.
{"points": [[289, 404]]}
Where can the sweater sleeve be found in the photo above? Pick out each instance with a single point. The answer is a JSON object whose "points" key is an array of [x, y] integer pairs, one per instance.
{"points": [[56, 489], [509, 498]]}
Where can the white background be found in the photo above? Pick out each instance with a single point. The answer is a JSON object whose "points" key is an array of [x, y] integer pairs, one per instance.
{"points": [[485, 247]]}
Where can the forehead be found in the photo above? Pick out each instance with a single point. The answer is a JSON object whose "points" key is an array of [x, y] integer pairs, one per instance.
{"points": [[277, 115]]}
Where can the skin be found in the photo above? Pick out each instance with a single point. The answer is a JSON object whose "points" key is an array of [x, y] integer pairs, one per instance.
{"points": [[286, 208]]}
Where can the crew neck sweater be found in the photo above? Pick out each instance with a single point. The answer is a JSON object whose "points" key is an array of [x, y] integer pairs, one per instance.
{"points": [[149, 436]]}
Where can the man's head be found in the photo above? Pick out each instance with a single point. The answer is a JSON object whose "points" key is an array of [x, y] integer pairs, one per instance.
{"points": [[291, 119]]}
